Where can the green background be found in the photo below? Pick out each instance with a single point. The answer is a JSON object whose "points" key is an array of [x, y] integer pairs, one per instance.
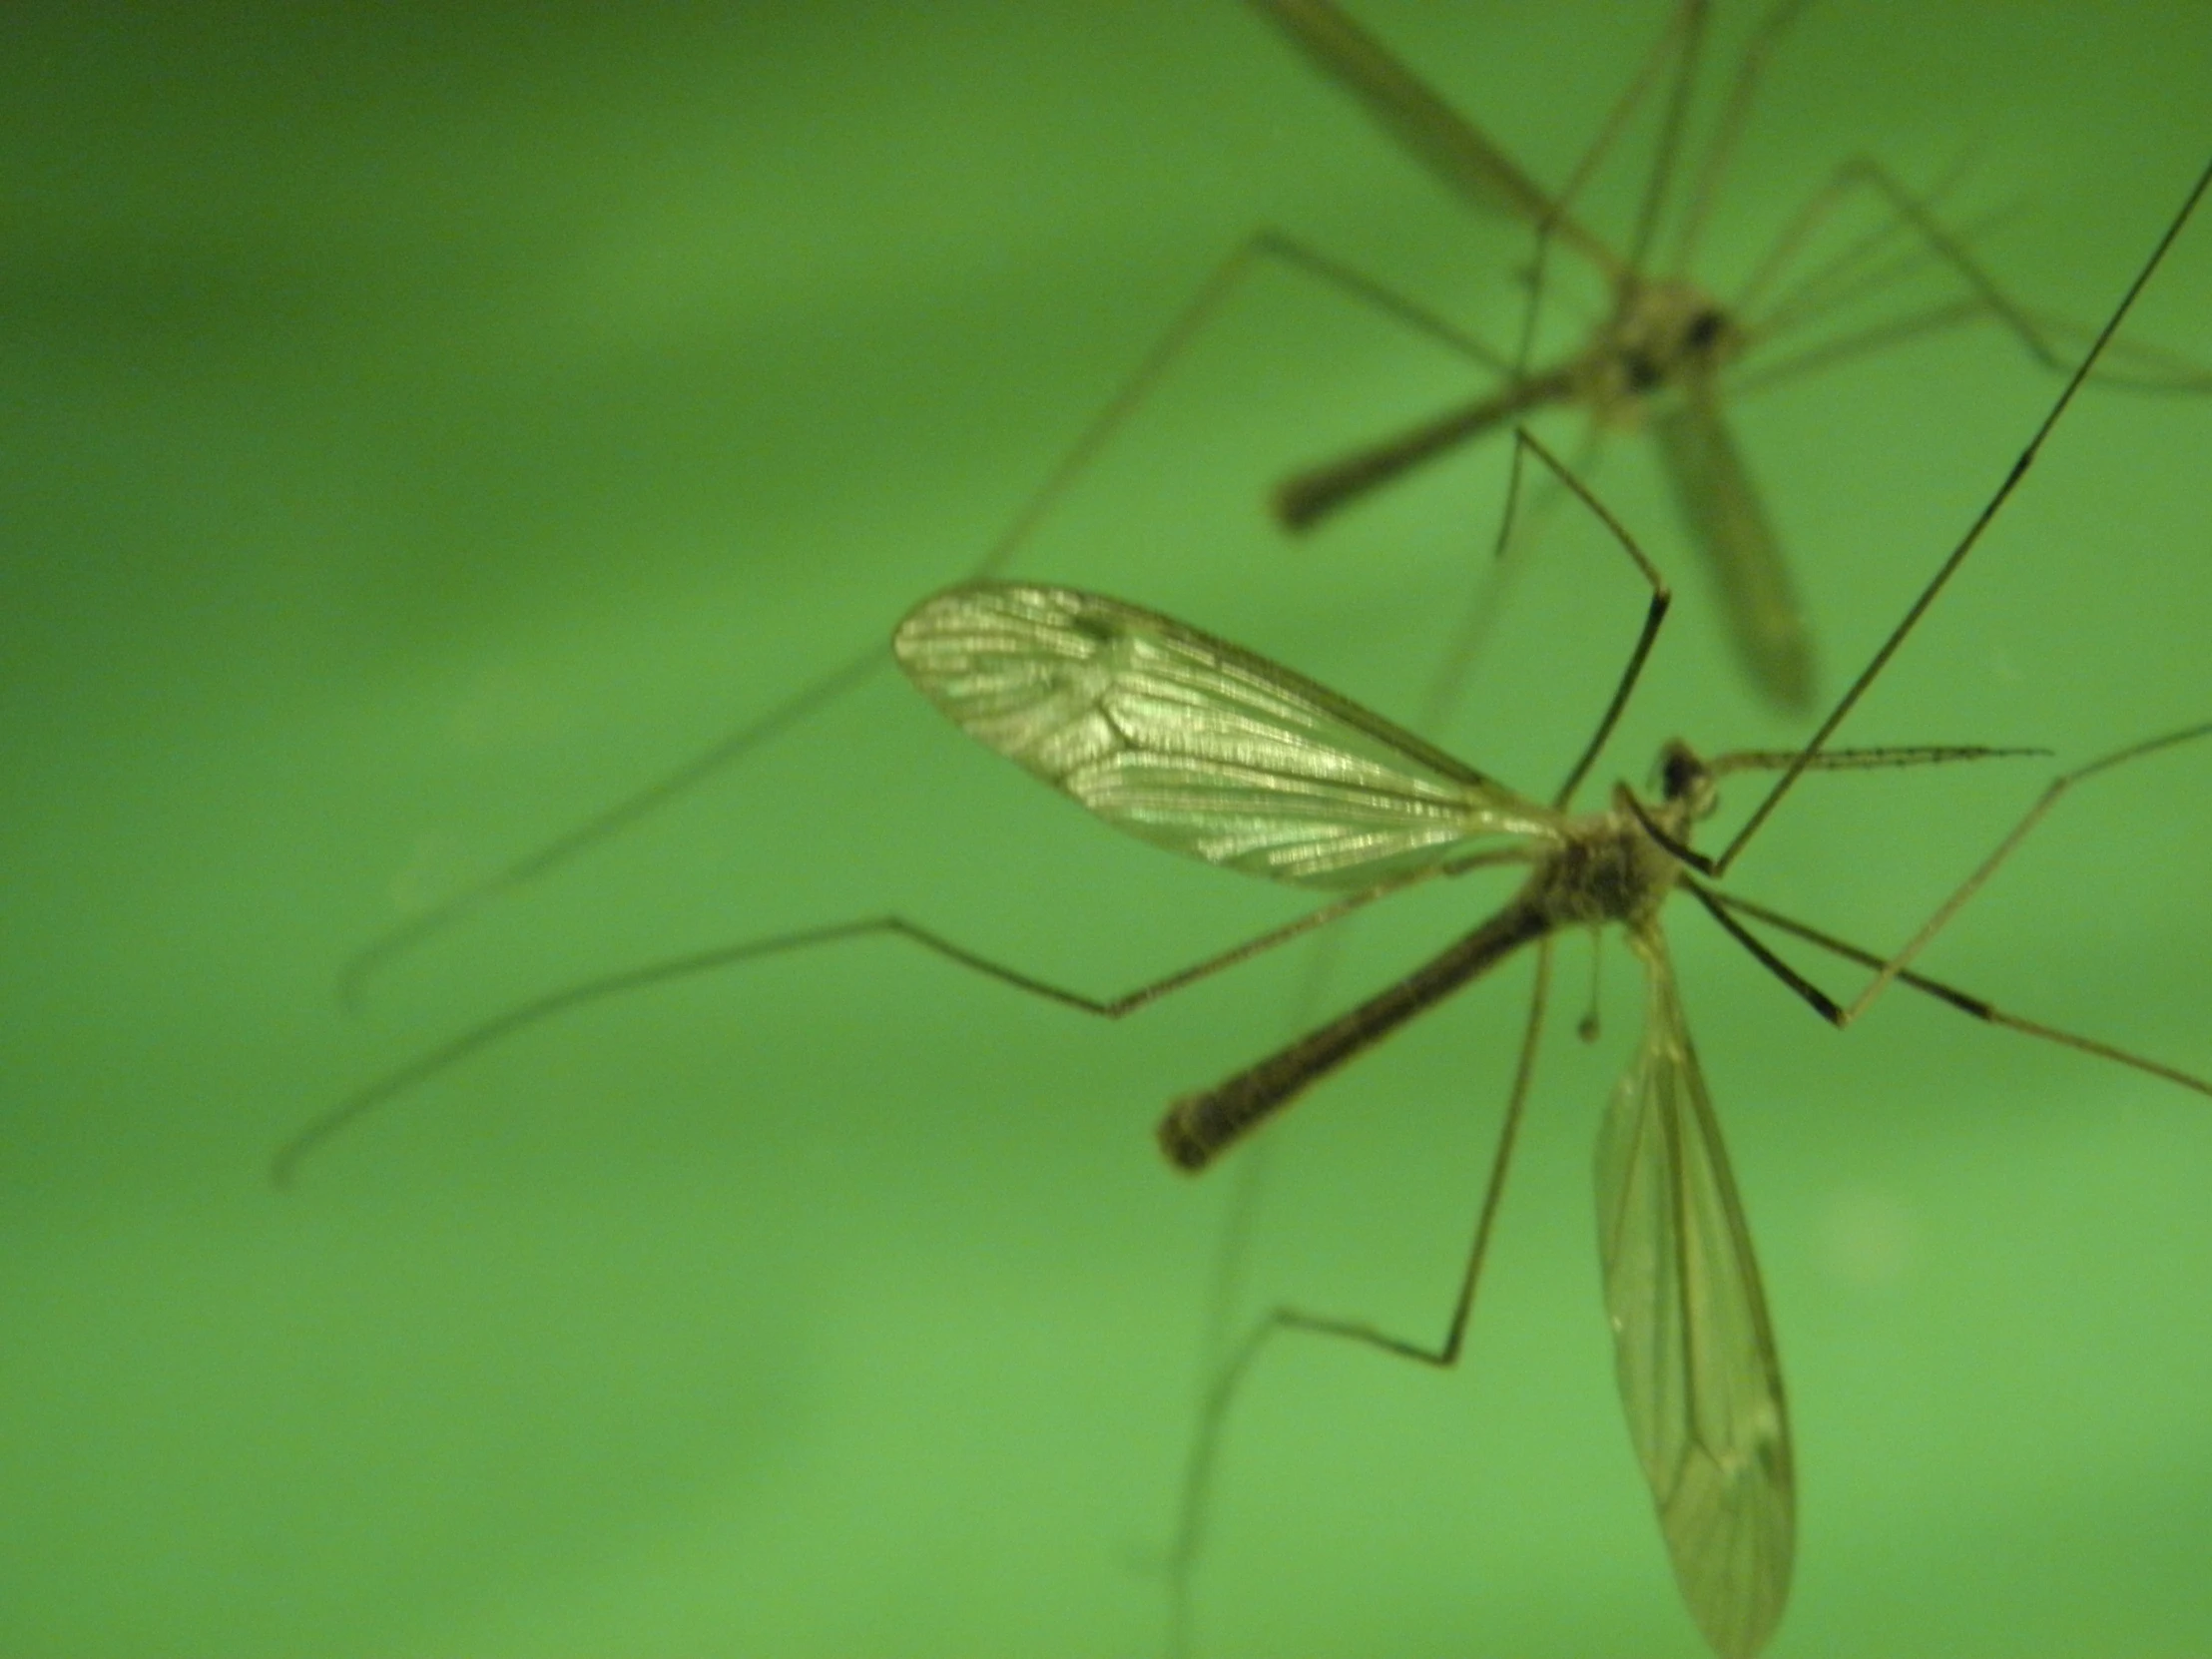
{"points": [[424, 423]]}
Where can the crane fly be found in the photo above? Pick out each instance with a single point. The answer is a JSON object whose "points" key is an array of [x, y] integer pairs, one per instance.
{"points": [[1660, 336], [1206, 750], [1200, 748], [1650, 311], [1661, 354]]}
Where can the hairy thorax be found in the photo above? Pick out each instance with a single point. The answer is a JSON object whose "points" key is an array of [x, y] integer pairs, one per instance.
{"points": [[1607, 869], [1663, 332], [1609, 866]]}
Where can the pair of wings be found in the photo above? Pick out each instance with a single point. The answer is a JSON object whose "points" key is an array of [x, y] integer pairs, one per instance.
{"points": [[1207, 750], [1713, 492]]}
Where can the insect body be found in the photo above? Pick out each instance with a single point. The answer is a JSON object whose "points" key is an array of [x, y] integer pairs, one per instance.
{"points": [[1657, 356]]}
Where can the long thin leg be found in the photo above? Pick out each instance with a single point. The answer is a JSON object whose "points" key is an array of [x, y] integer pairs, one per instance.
{"points": [[1514, 533], [1682, 37], [1852, 277], [1850, 272], [2162, 371], [1469, 639], [2018, 321], [2158, 371], [373, 958], [1205, 1449], [1862, 173], [1973, 884], [1947, 246], [1965, 546], [1978, 1007], [1843, 280], [1868, 342], [1262, 246], [1655, 613], [524, 1017], [1667, 152], [1729, 127], [1521, 528]]}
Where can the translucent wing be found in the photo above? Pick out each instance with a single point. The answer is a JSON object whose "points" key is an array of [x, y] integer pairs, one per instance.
{"points": [[1725, 517], [1435, 135], [1691, 1343], [1194, 744]]}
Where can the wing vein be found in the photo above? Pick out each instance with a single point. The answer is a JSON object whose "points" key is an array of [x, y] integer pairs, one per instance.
{"points": [[1196, 746]]}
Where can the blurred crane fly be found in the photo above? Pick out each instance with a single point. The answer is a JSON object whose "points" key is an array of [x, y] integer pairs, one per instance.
{"points": [[1659, 356]]}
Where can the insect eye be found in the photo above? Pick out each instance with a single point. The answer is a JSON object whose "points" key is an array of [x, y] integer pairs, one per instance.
{"points": [[1680, 772], [1705, 330]]}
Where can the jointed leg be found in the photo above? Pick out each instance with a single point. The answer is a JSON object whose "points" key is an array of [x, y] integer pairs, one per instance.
{"points": [[1263, 245], [365, 964], [605, 987], [1655, 613], [829, 687], [1672, 122], [1861, 268], [1728, 129], [1205, 1451], [1522, 525], [1915, 215], [1721, 904], [1950, 906]]}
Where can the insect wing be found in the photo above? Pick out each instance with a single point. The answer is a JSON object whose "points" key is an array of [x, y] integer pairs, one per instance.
{"points": [[1694, 1353], [1725, 517], [1438, 136], [1194, 744]]}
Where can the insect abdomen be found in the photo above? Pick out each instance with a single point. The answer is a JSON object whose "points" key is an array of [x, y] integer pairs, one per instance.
{"points": [[1199, 1127]]}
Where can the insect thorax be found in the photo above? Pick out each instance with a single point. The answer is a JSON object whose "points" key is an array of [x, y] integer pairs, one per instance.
{"points": [[1661, 332], [1607, 869]]}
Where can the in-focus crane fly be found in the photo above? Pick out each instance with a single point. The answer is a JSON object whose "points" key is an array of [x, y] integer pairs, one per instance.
{"points": [[1207, 750]]}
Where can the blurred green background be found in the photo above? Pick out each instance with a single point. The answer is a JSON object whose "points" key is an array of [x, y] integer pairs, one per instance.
{"points": [[426, 423]]}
